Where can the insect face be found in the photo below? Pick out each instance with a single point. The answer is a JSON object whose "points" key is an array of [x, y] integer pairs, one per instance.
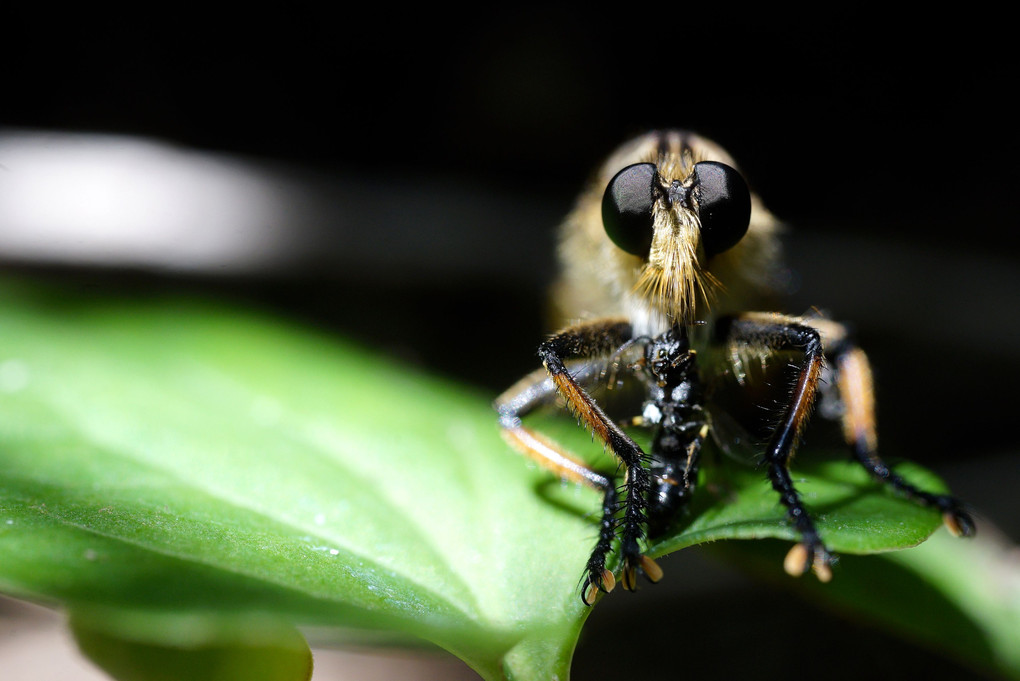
{"points": [[667, 234]]}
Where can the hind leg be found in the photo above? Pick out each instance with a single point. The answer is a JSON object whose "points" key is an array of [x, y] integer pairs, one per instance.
{"points": [[856, 392]]}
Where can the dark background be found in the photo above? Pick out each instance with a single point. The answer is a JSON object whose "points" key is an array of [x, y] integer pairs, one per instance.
{"points": [[844, 116], [886, 142]]}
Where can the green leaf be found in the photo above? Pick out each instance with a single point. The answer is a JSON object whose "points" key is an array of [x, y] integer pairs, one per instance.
{"points": [[973, 592], [214, 649], [165, 457], [960, 599]]}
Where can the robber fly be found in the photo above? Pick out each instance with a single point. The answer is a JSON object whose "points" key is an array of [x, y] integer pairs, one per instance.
{"points": [[663, 255]]}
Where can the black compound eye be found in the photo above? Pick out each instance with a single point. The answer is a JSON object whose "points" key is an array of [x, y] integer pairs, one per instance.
{"points": [[723, 203], [627, 208]]}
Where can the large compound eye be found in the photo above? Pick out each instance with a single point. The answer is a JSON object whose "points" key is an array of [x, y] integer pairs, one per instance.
{"points": [[627, 208], [723, 203]]}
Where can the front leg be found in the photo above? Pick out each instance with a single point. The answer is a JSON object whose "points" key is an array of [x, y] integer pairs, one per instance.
{"points": [[585, 341], [773, 333], [593, 340]]}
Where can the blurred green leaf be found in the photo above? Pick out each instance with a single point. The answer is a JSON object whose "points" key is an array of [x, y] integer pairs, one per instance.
{"points": [[208, 648], [168, 457], [960, 599]]}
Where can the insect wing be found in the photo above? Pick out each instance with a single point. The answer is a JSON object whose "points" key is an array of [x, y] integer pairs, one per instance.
{"points": [[732, 438]]}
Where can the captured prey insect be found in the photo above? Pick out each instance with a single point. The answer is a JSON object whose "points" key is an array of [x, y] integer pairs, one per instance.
{"points": [[664, 254]]}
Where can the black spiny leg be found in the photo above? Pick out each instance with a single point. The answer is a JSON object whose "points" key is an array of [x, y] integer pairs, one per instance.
{"points": [[596, 576], [596, 339], [775, 332], [531, 392], [856, 394], [600, 339]]}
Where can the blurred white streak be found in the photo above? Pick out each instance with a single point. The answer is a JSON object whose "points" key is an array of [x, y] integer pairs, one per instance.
{"points": [[120, 201], [114, 200]]}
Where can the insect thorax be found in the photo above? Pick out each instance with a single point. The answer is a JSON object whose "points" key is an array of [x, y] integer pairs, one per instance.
{"points": [[674, 410]]}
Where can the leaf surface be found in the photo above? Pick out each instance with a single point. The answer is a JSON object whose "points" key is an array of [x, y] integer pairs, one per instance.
{"points": [[171, 457]]}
